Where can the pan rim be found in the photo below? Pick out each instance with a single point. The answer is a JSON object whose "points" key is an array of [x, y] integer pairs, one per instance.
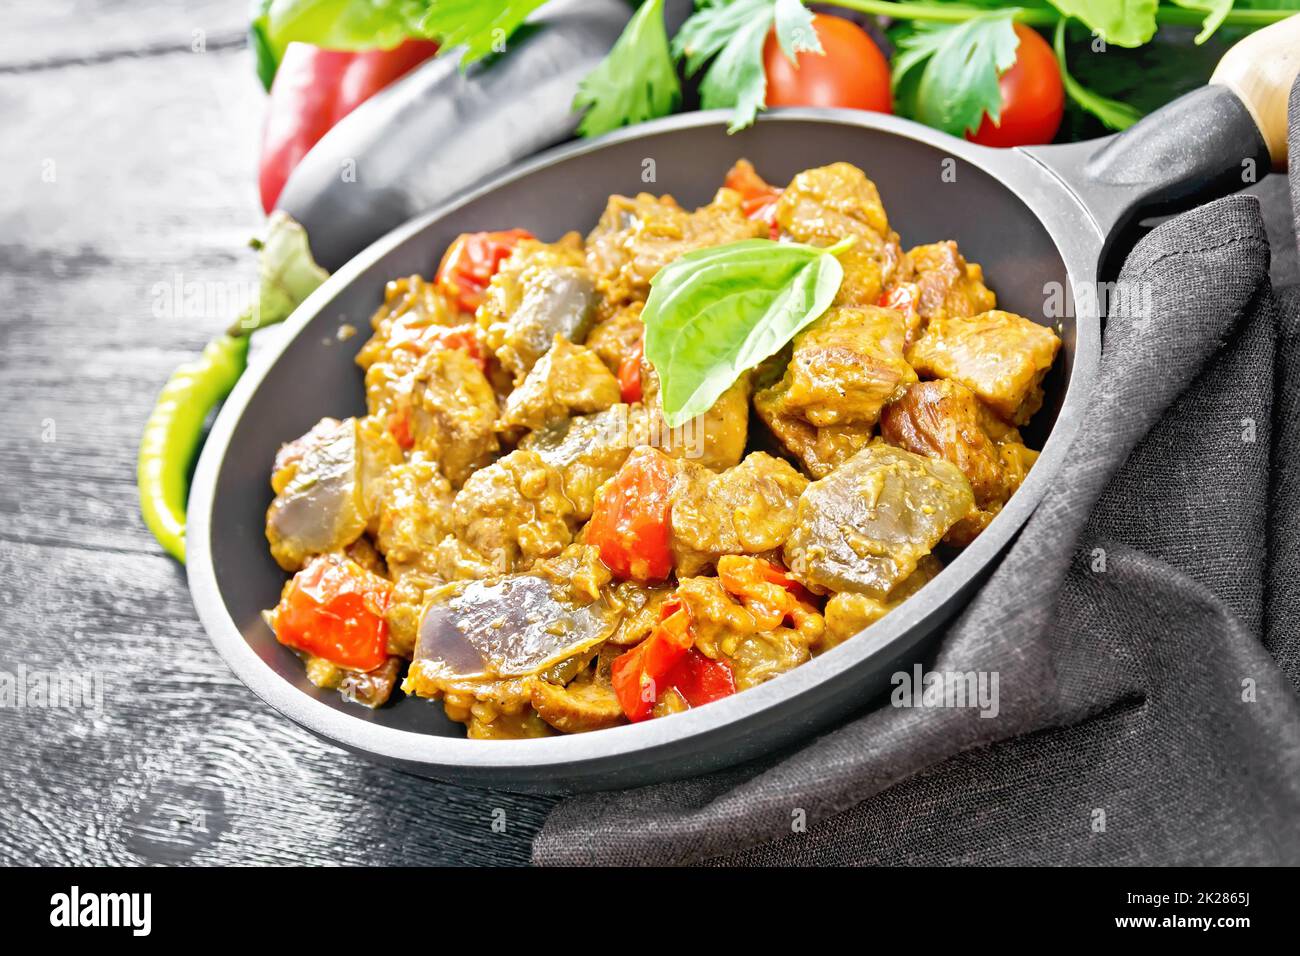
{"points": [[583, 756]]}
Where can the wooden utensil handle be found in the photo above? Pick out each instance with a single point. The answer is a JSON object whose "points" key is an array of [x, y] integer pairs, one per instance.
{"points": [[1260, 70]]}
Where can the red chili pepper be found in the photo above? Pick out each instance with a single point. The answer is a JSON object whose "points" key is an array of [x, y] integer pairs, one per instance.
{"points": [[316, 88], [629, 374], [335, 609], [472, 260], [629, 523]]}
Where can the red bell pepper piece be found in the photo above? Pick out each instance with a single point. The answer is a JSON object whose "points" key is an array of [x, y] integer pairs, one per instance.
{"points": [[639, 676], [399, 426], [758, 198], [702, 680], [630, 522], [629, 375], [900, 298], [335, 609], [422, 339], [316, 88], [472, 260], [668, 660]]}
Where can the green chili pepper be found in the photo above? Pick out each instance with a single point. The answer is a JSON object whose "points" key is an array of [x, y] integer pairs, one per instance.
{"points": [[175, 426], [172, 434]]}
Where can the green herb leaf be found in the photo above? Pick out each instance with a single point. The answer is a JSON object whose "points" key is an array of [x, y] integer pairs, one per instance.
{"points": [[709, 28], [259, 41], [716, 312], [732, 33], [635, 82], [481, 27], [1113, 113], [1122, 22], [288, 273], [958, 82], [1215, 12], [342, 24], [794, 29]]}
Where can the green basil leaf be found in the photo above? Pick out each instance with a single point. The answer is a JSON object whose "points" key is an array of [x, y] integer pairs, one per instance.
{"points": [[1122, 22], [959, 68], [794, 29], [716, 312], [1112, 113], [482, 28], [635, 82]]}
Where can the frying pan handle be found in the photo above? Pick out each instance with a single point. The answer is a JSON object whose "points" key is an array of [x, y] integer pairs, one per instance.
{"points": [[1260, 70], [1211, 142]]}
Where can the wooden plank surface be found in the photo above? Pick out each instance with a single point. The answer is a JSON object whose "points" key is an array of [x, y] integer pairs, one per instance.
{"points": [[128, 167]]}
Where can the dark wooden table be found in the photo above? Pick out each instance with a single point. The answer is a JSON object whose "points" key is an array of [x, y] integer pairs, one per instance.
{"points": [[128, 138], [128, 147]]}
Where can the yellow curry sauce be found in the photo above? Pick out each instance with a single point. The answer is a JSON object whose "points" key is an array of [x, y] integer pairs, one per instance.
{"points": [[513, 524]]}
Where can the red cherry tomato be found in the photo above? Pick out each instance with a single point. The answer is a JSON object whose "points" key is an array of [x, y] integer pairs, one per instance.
{"points": [[852, 73], [335, 609], [472, 260], [630, 521], [1033, 98]]}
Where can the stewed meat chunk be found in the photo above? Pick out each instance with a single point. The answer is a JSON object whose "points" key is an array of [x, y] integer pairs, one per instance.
{"points": [[748, 509], [945, 419], [514, 512], [635, 238], [1000, 356], [822, 206], [569, 379], [715, 438], [617, 339], [453, 413], [936, 281], [866, 526], [845, 367]]}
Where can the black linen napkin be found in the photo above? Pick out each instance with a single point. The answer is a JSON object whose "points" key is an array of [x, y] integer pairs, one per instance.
{"points": [[1145, 627]]}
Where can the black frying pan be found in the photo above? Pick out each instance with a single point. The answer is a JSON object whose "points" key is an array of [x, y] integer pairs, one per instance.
{"points": [[1040, 221]]}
